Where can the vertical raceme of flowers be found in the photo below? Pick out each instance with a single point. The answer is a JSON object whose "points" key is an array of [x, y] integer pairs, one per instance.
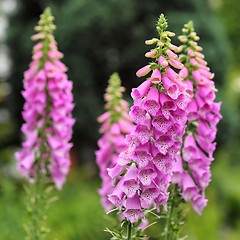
{"points": [[143, 172], [192, 171], [116, 123], [47, 110], [44, 158]]}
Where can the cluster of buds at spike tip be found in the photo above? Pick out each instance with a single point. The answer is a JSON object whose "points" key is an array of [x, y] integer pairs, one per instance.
{"points": [[47, 110], [192, 171], [116, 123], [143, 172]]}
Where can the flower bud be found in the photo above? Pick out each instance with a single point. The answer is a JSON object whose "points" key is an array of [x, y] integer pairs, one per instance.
{"points": [[150, 54], [151, 41], [143, 71]]}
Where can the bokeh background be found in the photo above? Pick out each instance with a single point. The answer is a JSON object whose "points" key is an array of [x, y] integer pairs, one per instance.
{"points": [[97, 38]]}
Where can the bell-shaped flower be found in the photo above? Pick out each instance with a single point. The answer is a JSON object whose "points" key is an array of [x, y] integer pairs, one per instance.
{"points": [[133, 209]]}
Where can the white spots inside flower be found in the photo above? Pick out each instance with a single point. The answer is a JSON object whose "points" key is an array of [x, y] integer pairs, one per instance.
{"points": [[160, 123], [172, 132], [163, 183], [178, 119], [180, 104], [167, 168], [123, 160], [159, 161], [143, 133], [145, 177], [143, 158], [147, 194], [118, 202], [137, 114], [115, 200], [133, 214], [130, 187], [132, 145], [171, 152], [152, 107], [132, 142], [166, 114], [180, 116], [162, 144]]}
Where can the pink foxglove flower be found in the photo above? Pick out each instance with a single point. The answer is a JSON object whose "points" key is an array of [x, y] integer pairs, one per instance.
{"points": [[115, 125], [47, 111], [144, 170], [204, 115]]}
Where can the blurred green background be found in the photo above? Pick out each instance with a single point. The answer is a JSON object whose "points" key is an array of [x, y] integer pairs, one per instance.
{"points": [[98, 37]]}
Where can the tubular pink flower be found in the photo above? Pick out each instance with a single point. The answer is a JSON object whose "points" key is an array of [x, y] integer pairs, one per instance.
{"points": [[116, 197], [161, 124], [175, 63], [150, 54], [171, 87], [47, 112], [174, 47], [171, 54], [133, 209], [178, 171], [183, 72], [143, 71], [189, 188], [151, 104], [147, 175], [167, 104], [199, 203], [149, 196], [162, 62], [138, 93], [156, 76]]}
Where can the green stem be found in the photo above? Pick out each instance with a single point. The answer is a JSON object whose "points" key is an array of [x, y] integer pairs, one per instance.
{"points": [[175, 217], [34, 233], [168, 230], [129, 231], [33, 202], [40, 196]]}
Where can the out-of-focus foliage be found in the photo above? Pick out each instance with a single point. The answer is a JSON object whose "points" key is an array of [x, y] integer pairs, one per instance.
{"points": [[76, 215], [99, 37], [230, 12]]}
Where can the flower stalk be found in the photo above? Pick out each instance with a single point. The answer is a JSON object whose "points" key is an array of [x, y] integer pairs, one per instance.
{"points": [[174, 218], [44, 159], [115, 124], [129, 231], [159, 113], [40, 196]]}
